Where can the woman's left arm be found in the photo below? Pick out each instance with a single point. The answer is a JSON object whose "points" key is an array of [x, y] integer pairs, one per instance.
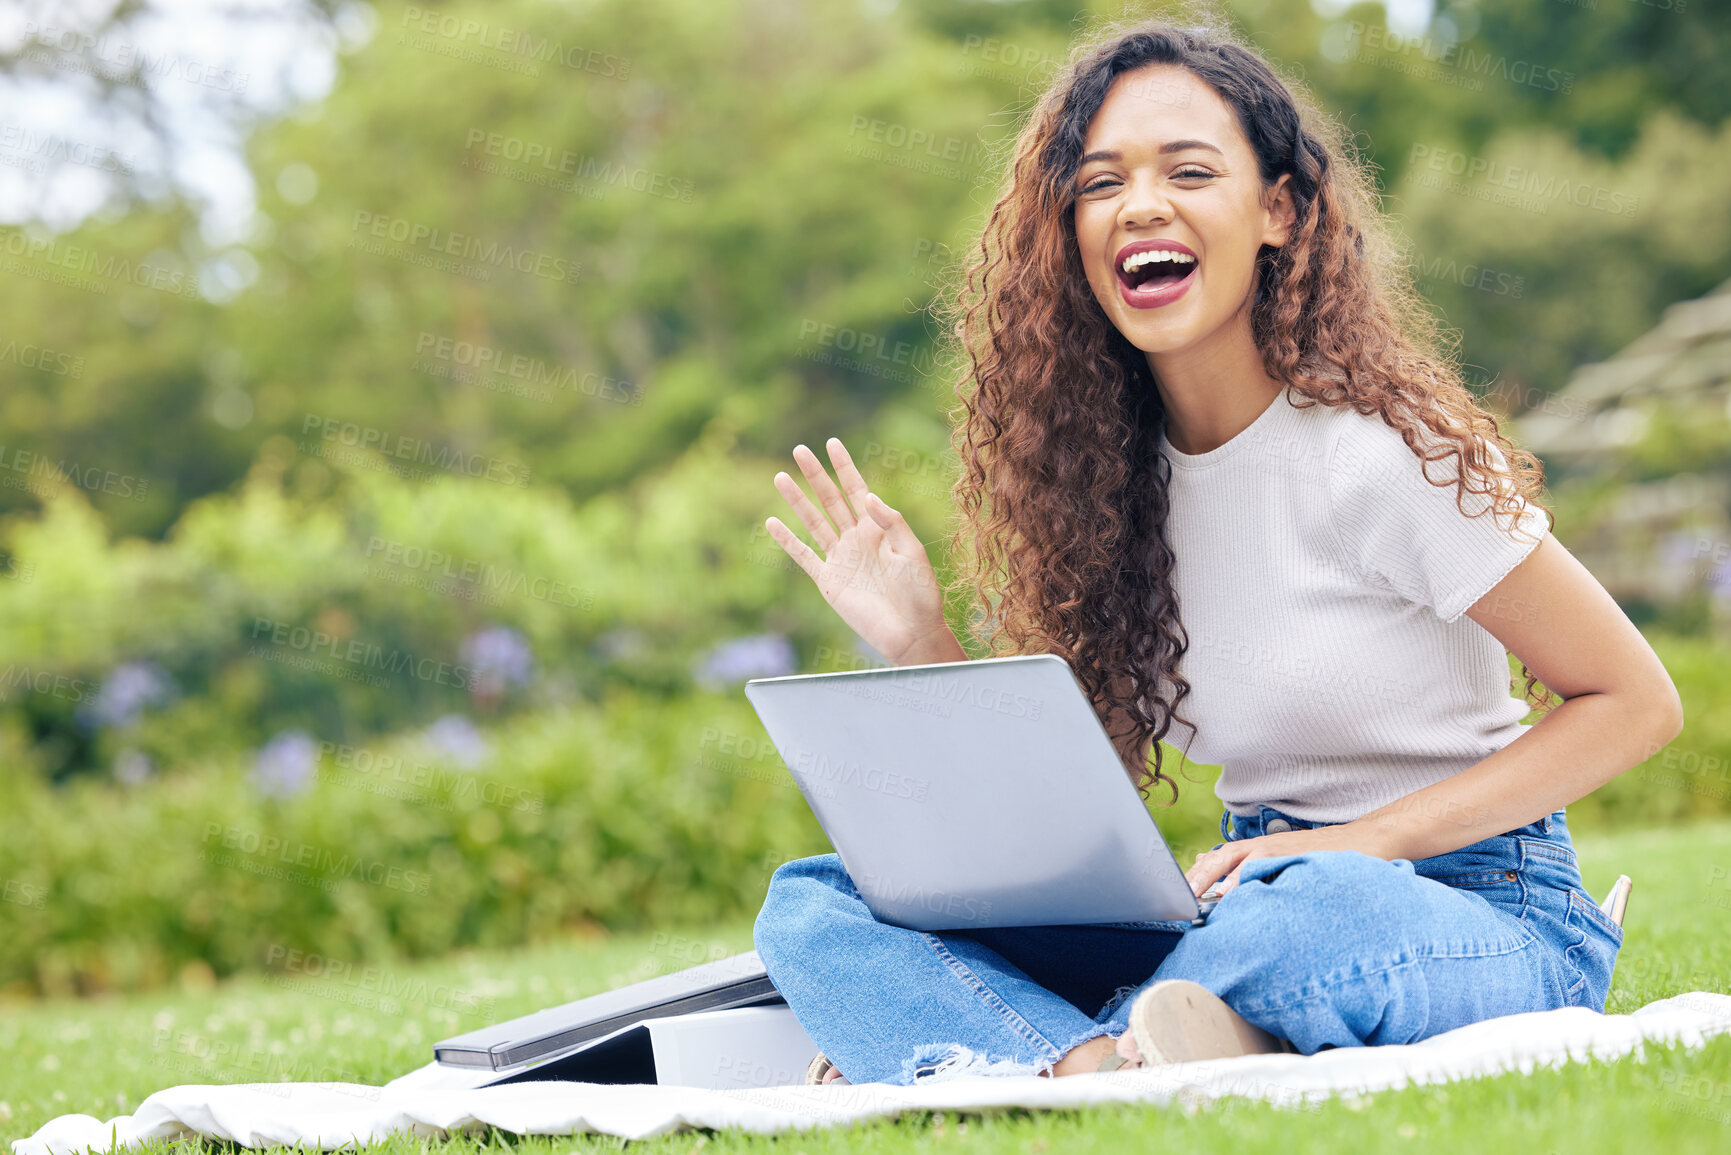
{"points": [[1619, 708]]}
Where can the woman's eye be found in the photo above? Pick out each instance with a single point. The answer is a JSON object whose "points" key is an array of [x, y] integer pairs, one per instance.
{"points": [[1103, 182]]}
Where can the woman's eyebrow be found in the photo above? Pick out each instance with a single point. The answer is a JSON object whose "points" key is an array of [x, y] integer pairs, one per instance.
{"points": [[1168, 147]]}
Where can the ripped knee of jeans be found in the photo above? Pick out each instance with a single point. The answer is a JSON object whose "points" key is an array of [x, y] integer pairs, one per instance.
{"points": [[939, 1062], [1116, 1001]]}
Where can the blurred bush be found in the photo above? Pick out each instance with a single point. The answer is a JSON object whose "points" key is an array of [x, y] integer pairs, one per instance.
{"points": [[383, 603], [626, 813]]}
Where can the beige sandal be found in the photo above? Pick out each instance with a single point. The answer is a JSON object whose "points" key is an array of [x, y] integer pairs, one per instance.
{"points": [[817, 1073], [1179, 1021]]}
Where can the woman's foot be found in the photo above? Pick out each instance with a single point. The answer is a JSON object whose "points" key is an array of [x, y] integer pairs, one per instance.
{"points": [[1086, 1058], [1179, 1021], [1173, 1021]]}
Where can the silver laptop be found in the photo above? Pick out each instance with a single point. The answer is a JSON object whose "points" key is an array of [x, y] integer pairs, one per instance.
{"points": [[966, 795]]}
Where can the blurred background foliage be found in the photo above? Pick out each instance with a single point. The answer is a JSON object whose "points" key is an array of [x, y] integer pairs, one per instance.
{"points": [[436, 589]]}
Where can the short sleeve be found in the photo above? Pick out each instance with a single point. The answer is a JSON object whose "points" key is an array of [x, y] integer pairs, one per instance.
{"points": [[1404, 533]]}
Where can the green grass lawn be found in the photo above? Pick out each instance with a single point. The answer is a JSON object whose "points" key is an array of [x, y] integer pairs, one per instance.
{"points": [[102, 1056]]}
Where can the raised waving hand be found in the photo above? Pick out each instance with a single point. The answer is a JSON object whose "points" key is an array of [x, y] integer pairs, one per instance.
{"points": [[872, 569]]}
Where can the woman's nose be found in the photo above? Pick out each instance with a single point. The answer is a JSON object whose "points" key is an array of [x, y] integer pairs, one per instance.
{"points": [[1145, 202]]}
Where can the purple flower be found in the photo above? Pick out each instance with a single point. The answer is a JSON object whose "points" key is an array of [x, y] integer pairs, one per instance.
{"points": [[285, 766], [498, 656], [756, 656], [127, 691], [456, 738]]}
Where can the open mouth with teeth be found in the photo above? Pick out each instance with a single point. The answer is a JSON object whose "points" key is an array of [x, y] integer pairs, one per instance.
{"points": [[1155, 269]]}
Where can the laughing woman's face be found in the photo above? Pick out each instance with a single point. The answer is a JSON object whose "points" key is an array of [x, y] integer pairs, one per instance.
{"points": [[1170, 210]]}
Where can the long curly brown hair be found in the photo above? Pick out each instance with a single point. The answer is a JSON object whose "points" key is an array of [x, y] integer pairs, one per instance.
{"points": [[1061, 502]]}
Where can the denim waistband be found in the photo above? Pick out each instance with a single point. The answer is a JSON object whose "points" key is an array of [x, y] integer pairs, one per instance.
{"points": [[1268, 820]]}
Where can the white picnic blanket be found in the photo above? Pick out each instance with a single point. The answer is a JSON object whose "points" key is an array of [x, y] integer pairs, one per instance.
{"points": [[433, 1102]]}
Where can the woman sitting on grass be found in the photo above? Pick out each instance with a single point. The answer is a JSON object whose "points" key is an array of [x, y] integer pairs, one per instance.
{"points": [[1205, 405]]}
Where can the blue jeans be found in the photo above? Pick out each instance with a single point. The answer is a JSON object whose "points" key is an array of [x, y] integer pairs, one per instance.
{"points": [[1326, 949]]}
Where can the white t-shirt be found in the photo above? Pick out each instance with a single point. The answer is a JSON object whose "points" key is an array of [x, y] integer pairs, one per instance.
{"points": [[1323, 583]]}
